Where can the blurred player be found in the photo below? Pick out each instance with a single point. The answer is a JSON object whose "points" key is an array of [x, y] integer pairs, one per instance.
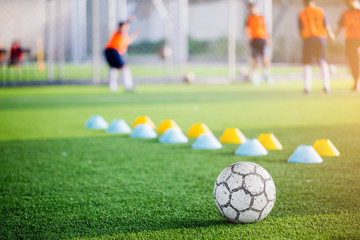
{"points": [[259, 39], [350, 20], [313, 29], [16, 54], [114, 54]]}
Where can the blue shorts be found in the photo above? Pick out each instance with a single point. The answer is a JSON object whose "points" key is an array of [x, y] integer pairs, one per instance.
{"points": [[314, 47], [258, 47], [113, 58]]}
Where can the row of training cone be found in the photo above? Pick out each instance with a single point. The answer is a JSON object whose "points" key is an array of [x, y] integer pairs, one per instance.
{"points": [[230, 136], [171, 133]]}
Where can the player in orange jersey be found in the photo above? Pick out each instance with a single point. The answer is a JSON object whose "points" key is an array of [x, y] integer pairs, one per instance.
{"points": [[350, 20], [259, 39], [313, 29], [114, 54]]}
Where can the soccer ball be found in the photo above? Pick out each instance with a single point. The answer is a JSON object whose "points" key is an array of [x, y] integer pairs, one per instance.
{"points": [[244, 192], [190, 77]]}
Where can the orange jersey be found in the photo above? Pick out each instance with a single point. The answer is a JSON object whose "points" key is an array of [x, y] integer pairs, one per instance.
{"points": [[312, 22], [119, 41], [256, 26], [350, 20]]}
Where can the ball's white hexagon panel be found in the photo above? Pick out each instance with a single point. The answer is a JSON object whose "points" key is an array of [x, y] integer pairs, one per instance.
{"points": [[266, 210], [244, 168], [262, 172], [259, 202], [224, 175], [230, 213], [222, 194], [240, 200], [249, 216], [270, 190], [219, 207], [254, 184], [235, 181]]}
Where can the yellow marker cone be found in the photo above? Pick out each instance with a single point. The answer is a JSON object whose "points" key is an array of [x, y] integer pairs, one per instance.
{"points": [[142, 120], [166, 124], [325, 148], [232, 136], [198, 129], [269, 141]]}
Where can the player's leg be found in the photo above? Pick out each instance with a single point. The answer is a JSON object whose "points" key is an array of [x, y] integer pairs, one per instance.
{"points": [[113, 79], [307, 59], [352, 55], [112, 57], [325, 73], [325, 70], [307, 78], [126, 75], [356, 64], [254, 74], [127, 78], [266, 63]]}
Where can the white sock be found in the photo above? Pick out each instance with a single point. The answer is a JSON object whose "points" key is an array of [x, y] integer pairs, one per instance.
{"points": [[251, 74], [256, 77], [267, 73], [307, 77], [325, 73], [113, 75], [127, 79]]}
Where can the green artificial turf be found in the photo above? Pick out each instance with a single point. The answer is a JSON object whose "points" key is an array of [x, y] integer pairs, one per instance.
{"points": [[59, 180]]}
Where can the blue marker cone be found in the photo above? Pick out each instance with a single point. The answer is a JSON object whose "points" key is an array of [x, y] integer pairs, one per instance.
{"points": [[305, 154], [143, 131], [173, 135], [96, 122], [252, 147], [206, 142], [119, 126]]}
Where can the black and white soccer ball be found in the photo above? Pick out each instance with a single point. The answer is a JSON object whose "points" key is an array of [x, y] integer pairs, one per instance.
{"points": [[244, 192]]}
